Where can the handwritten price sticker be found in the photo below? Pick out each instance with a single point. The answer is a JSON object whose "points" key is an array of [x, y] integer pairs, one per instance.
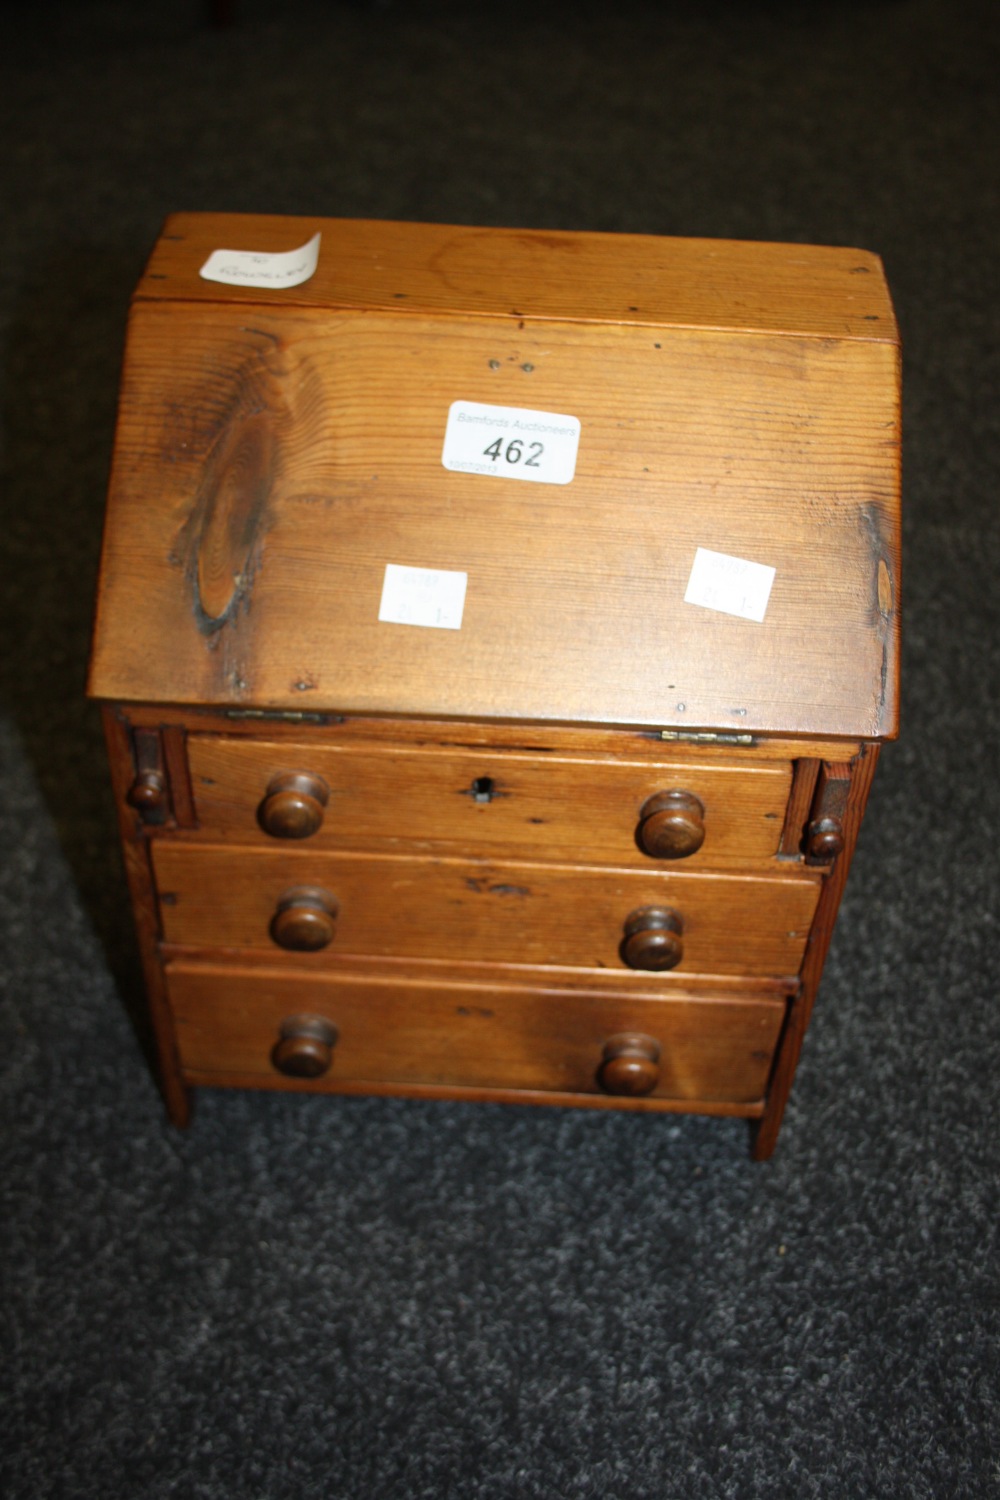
{"points": [[730, 585], [433, 597], [259, 269]]}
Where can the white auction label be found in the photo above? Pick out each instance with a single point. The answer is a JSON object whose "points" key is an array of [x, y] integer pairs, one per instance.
{"points": [[423, 596], [285, 268], [731, 585], [510, 442]]}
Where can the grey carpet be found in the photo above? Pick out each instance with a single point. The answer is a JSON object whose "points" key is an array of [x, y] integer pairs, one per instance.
{"points": [[354, 1298]]}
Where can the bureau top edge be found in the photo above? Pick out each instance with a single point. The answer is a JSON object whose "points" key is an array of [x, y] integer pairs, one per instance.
{"points": [[537, 275]]}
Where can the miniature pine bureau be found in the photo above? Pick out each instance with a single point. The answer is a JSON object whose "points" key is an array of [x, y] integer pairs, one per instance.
{"points": [[496, 632]]}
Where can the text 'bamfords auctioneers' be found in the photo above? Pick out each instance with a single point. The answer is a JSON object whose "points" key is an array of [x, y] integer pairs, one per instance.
{"points": [[508, 442]]}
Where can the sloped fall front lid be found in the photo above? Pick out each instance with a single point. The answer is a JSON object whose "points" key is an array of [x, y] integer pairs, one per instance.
{"points": [[508, 475]]}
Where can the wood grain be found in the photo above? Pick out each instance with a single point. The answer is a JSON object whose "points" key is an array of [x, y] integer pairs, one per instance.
{"points": [[509, 911], [648, 746], [471, 1036], [564, 979], [175, 759], [528, 274], [805, 770], [554, 805], [467, 884], [775, 447], [135, 851], [800, 1010]]}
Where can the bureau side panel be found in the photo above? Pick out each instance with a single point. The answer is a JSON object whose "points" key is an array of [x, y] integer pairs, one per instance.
{"points": [[800, 1009], [135, 850]]}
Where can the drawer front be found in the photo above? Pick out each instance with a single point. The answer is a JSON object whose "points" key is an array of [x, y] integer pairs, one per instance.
{"points": [[407, 1032], [539, 806], [508, 912]]}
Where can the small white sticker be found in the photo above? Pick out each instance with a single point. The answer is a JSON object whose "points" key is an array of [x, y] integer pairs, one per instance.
{"points": [[255, 268], [510, 442], [731, 585], [423, 596]]}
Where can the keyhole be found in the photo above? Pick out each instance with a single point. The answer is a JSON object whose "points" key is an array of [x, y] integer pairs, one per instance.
{"points": [[482, 789]]}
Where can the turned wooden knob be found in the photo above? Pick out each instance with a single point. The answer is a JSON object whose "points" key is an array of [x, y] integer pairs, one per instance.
{"points": [[293, 805], [630, 1065], [304, 1048], [672, 825], [825, 838], [305, 919], [653, 938], [148, 792]]}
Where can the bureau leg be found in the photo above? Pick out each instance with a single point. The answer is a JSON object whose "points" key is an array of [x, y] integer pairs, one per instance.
{"points": [[178, 1100], [764, 1132]]}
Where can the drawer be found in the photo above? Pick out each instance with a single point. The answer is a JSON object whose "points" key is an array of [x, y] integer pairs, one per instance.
{"points": [[501, 912], [492, 800], [407, 1032]]}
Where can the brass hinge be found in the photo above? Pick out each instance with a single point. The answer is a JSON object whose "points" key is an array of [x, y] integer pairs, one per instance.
{"points": [[705, 737], [283, 716]]}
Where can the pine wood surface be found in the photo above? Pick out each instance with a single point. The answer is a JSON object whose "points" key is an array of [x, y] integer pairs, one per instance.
{"points": [[145, 916], [539, 806], [804, 774], [556, 980], [503, 911], [646, 746], [552, 1098], [471, 1037], [448, 269], [263, 463], [474, 796]]}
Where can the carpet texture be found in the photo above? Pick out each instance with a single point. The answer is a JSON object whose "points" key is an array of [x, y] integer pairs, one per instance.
{"points": [[306, 1297]]}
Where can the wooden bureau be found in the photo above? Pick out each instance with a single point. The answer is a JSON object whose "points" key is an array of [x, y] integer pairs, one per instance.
{"points": [[441, 778]]}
